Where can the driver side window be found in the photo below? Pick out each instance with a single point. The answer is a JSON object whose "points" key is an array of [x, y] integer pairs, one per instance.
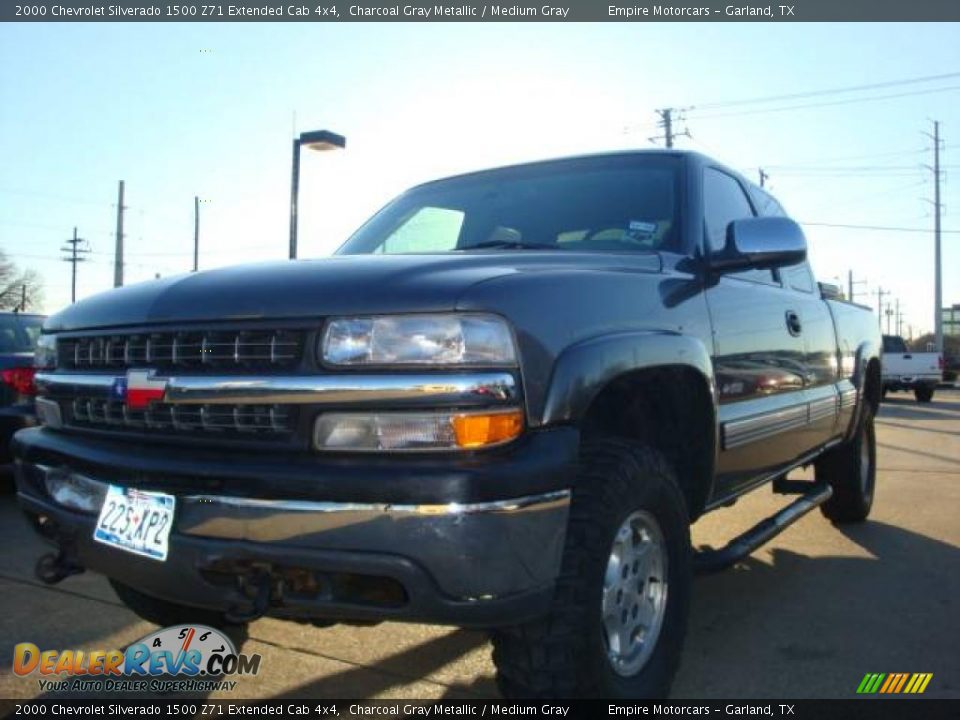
{"points": [[724, 201]]}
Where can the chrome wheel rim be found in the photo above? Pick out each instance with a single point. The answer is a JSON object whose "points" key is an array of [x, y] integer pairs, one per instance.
{"points": [[634, 600]]}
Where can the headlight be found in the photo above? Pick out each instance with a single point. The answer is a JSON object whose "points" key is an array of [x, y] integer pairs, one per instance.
{"points": [[409, 431], [45, 355], [451, 339]]}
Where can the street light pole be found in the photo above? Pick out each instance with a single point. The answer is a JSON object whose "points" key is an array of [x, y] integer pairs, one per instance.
{"points": [[294, 196], [321, 140]]}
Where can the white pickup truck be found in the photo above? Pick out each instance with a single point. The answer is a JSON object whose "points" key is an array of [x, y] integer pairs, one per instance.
{"points": [[906, 370]]}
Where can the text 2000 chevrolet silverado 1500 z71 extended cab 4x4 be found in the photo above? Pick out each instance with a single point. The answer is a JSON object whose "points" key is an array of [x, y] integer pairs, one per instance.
{"points": [[501, 404]]}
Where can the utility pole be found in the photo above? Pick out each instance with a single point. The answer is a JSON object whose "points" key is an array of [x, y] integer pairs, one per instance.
{"points": [[880, 293], [118, 257], [850, 283], [763, 176], [899, 321], [937, 208], [76, 256], [196, 231], [937, 286], [666, 122], [889, 313], [23, 297]]}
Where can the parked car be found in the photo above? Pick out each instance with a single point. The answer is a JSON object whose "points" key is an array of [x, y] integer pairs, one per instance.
{"points": [[500, 405], [904, 369], [18, 336]]}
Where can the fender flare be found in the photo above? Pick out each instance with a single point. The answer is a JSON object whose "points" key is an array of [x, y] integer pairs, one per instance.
{"points": [[866, 351], [584, 369]]}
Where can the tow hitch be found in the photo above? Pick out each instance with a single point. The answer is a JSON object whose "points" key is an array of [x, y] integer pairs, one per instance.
{"points": [[54, 567], [258, 585]]}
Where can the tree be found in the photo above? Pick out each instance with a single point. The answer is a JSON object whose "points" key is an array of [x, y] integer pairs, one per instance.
{"points": [[13, 280]]}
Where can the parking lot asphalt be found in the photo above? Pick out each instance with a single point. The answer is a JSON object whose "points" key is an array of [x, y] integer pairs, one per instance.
{"points": [[805, 616]]}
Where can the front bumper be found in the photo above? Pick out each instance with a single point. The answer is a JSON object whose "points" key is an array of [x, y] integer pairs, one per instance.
{"points": [[466, 540]]}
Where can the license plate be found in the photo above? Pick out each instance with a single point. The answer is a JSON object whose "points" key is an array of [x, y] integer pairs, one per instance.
{"points": [[136, 521]]}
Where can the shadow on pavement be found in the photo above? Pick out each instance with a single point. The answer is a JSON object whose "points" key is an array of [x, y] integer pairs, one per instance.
{"points": [[800, 626], [420, 661]]}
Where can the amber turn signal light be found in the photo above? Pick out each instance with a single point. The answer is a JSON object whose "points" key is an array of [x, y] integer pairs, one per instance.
{"points": [[481, 429]]}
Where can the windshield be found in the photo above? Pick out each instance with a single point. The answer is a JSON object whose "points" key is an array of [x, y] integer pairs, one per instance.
{"points": [[19, 333], [602, 204]]}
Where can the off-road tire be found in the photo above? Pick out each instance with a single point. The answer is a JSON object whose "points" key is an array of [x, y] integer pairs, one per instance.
{"points": [[923, 394], [843, 468], [165, 613], [563, 654]]}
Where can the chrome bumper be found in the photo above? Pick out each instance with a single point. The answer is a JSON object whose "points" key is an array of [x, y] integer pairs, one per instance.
{"points": [[472, 550]]}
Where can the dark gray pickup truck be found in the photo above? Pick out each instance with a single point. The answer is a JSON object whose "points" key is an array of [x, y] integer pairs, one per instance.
{"points": [[501, 404]]}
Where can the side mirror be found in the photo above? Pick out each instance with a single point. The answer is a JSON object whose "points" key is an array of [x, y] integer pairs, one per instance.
{"points": [[761, 242]]}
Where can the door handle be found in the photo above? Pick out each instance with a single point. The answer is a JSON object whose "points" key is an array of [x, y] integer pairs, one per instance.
{"points": [[793, 323]]}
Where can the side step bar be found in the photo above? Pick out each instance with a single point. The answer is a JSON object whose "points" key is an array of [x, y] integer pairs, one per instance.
{"points": [[708, 561]]}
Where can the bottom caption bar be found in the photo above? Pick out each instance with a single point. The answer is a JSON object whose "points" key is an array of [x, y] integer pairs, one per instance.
{"points": [[874, 709]]}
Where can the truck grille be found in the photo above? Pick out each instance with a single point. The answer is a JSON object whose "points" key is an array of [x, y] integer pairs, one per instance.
{"points": [[266, 421], [184, 349]]}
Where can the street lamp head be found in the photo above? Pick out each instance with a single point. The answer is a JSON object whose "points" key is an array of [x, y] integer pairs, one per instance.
{"points": [[323, 140]]}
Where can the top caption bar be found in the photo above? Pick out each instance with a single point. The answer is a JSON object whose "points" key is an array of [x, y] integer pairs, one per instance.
{"points": [[558, 11]]}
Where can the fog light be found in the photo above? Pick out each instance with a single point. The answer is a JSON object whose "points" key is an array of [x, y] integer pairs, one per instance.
{"points": [[361, 432], [74, 491]]}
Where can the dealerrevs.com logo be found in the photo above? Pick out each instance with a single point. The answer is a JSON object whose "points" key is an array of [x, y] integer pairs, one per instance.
{"points": [[180, 658]]}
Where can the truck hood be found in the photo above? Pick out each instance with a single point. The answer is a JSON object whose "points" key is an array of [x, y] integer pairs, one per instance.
{"points": [[338, 285]]}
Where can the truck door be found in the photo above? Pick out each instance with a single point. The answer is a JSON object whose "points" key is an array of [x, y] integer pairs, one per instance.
{"points": [[821, 372], [758, 355]]}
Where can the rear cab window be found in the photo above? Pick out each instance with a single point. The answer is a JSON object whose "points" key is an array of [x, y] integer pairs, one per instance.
{"points": [[19, 333]]}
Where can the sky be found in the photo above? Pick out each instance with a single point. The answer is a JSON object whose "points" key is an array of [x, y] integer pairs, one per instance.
{"points": [[209, 110]]}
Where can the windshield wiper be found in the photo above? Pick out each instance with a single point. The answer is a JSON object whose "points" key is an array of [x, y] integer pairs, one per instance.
{"points": [[511, 245]]}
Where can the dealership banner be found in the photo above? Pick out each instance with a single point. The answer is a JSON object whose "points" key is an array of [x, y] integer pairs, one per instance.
{"points": [[893, 709], [555, 11]]}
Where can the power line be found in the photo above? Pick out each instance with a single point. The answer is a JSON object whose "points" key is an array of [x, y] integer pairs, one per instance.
{"points": [[831, 91], [824, 104], [877, 227], [844, 158]]}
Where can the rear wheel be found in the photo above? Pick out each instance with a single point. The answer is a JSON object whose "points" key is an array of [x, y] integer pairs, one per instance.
{"points": [[923, 393], [851, 470], [616, 625]]}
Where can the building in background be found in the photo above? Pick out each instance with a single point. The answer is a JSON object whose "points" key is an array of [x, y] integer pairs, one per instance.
{"points": [[951, 320]]}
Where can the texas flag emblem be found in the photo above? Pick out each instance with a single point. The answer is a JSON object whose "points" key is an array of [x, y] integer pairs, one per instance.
{"points": [[139, 388]]}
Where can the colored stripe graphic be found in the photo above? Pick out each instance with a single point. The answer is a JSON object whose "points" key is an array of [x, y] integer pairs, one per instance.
{"points": [[903, 681], [893, 683]]}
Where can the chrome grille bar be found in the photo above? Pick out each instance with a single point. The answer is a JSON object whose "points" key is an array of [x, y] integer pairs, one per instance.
{"points": [[209, 348], [245, 419], [474, 389]]}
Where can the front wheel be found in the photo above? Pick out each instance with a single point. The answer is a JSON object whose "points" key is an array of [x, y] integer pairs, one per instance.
{"points": [[618, 618], [923, 394]]}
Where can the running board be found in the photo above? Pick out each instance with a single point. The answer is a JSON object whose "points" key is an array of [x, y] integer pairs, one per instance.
{"points": [[707, 561]]}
